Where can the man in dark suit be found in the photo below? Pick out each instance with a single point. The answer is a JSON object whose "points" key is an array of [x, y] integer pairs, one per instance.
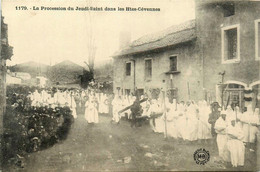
{"points": [[213, 116], [136, 110]]}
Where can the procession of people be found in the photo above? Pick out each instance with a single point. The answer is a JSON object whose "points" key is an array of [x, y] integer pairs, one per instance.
{"points": [[230, 128], [43, 112]]}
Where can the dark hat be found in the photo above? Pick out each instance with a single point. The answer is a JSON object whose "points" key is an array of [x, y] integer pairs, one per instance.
{"points": [[215, 104]]}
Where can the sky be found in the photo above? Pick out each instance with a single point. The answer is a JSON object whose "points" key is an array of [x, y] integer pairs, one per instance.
{"points": [[51, 37]]}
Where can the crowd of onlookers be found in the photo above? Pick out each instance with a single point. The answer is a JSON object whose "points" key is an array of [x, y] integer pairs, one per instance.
{"points": [[30, 128]]}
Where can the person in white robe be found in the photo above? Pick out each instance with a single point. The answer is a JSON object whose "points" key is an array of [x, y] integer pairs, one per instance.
{"points": [[246, 123], [220, 128], [192, 122], [73, 107], [62, 100], [235, 144], [36, 96], [67, 97], [50, 100], [159, 121], [205, 116], [230, 114], [171, 119], [238, 115], [91, 113], [117, 106], [181, 122], [253, 129], [160, 124], [145, 106], [44, 96], [201, 126], [56, 96], [154, 110], [103, 104], [204, 128]]}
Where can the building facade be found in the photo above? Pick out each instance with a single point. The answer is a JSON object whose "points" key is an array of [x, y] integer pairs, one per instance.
{"points": [[216, 58], [228, 37], [6, 53], [166, 61]]}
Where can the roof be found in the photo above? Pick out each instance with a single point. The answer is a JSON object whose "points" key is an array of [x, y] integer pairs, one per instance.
{"points": [[173, 35], [22, 73]]}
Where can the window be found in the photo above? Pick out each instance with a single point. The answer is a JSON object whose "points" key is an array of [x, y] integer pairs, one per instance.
{"points": [[173, 63], [257, 39], [233, 86], [230, 44], [233, 95], [128, 69], [228, 9], [148, 68]]}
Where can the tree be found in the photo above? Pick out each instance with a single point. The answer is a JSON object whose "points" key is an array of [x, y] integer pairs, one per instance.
{"points": [[88, 75], [86, 78]]}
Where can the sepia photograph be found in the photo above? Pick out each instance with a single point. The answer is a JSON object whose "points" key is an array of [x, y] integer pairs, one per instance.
{"points": [[129, 85]]}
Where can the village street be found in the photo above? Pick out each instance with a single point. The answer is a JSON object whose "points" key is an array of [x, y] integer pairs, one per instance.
{"points": [[111, 147]]}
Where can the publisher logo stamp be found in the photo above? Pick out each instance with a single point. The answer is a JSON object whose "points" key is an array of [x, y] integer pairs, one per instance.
{"points": [[201, 156]]}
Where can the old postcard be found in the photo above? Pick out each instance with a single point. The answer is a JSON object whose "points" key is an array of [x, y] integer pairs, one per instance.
{"points": [[130, 85]]}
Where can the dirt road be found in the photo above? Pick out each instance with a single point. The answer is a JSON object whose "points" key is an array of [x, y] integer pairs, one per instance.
{"points": [[111, 147]]}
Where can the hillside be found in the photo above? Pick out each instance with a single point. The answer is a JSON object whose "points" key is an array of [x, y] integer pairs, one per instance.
{"points": [[65, 72], [104, 71], [33, 68]]}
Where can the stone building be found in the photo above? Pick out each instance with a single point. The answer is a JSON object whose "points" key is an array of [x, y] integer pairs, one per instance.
{"points": [[215, 57], [229, 43], [6, 53], [166, 60]]}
